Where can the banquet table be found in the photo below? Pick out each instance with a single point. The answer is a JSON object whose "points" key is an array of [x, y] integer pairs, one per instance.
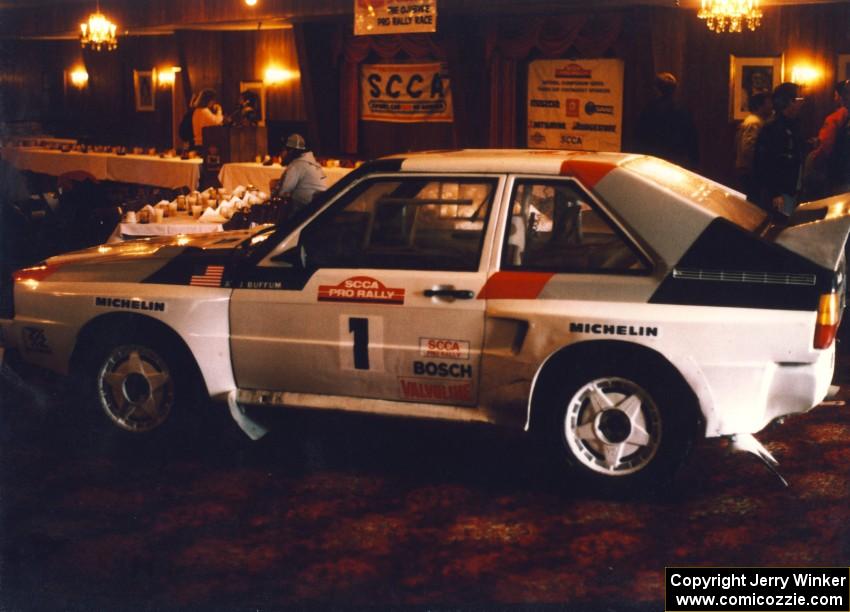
{"points": [[53, 162], [172, 172], [170, 226], [143, 169], [250, 173]]}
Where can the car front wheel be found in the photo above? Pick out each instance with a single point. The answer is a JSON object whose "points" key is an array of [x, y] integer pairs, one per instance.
{"points": [[142, 382]]}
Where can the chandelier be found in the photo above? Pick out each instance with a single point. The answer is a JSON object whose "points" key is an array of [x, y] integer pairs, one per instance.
{"points": [[730, 15], [98, 32]]}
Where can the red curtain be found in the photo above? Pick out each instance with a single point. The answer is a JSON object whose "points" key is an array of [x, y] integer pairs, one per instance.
{"points": [[510, 42]]}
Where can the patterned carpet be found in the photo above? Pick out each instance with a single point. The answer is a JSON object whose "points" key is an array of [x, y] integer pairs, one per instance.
{"points": [[350, 512]]}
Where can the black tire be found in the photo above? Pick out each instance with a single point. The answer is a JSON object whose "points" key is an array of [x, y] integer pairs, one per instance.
{"points": [[140, 381], [621, 429]]}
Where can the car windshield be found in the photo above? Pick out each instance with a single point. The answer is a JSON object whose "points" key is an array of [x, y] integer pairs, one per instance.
{"points": [[714, 197]]}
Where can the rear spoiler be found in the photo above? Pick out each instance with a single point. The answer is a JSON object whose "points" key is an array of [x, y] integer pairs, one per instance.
{"points": [[818, 231]]}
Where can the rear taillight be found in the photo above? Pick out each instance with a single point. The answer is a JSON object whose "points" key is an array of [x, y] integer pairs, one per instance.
{"points": [[829, 316]]}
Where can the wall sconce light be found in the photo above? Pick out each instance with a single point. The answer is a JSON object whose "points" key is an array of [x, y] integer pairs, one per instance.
{"points": [[274, 75], [79, 77], [165, 76], [251, 2], [805, 75]]}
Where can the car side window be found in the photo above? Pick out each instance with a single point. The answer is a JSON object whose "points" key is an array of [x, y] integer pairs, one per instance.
{"points": [[416, 223], [556, 227]]}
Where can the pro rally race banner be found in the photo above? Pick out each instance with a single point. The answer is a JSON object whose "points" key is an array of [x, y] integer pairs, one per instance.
{"points": [[394, 16], [575, 104], [405, 93]]}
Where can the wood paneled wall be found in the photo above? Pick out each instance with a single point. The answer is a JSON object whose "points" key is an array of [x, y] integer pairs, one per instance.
{"points": [[32, 87], [653, 39]]}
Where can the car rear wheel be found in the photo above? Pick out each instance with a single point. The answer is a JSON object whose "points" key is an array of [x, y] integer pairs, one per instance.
{"points": [[620, 430]]}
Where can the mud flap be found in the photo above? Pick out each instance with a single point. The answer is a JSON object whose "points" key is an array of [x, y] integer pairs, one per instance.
{"points": [[252, 428], [748, 443]]}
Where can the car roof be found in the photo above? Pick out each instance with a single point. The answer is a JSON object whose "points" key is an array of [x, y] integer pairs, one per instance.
{"points": [[532, 161]]}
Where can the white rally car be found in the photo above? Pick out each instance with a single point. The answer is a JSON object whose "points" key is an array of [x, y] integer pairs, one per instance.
{"points": [[616, 304]]}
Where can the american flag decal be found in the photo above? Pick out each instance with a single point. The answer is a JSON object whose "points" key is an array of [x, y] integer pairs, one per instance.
{"points": [[210, 278]]}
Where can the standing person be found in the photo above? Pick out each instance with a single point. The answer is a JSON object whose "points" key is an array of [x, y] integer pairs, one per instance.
{"points": [[207, 113], [761, 108], [822, 173], [666, 129], [303, 177], [779, 152]]}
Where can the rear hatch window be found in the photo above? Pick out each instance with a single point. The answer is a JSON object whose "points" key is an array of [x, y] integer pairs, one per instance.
{"points": [[714, 197]]}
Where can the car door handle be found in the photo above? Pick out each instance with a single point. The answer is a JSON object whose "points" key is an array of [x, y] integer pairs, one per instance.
{"points": [[458, 294]]}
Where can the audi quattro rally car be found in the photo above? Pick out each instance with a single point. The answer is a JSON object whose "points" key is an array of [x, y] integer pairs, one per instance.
{"points": [[616, 304]]}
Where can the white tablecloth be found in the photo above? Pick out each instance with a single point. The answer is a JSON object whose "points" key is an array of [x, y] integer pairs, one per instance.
{"points": [[47, 161], [250, 173], [144, 169], [148, 170], [170, 226]]}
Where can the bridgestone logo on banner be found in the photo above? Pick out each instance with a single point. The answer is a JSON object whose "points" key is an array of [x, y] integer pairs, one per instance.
{"points": [[575, 104], [405, 93], [394, 16]]}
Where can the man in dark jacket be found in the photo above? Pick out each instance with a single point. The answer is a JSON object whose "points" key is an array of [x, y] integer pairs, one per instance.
{"points": [[666, 129], [779, 152]]}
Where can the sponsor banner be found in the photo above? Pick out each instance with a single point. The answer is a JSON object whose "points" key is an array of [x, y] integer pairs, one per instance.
{"points": [[575, 104], [361, 289], [435, 390], [394, 16], [444, 348], [405, 93]]}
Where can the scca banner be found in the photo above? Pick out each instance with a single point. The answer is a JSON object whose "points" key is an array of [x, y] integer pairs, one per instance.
{"points": [[405, 93], [575, 104], [394, 16]]}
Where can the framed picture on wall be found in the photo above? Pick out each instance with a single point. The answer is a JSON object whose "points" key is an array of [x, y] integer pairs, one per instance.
{"points": [[748, 76], [258, 91], [144, 89], [842, 67]]}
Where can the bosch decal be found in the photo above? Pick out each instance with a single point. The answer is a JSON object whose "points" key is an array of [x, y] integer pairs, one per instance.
{"points": [[444, 348], [591, 108], [606, 329], [35, 340], [573, 71], [361, 289], [435, 390], [129, 304], [442, 370]]}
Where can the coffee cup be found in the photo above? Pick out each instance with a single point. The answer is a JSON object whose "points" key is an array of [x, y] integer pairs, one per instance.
{"points": [[159, 215], [196, 210], [130, 217]]}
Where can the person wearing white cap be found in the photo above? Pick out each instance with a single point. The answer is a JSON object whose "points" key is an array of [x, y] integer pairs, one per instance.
{"points": [[303, 176]]}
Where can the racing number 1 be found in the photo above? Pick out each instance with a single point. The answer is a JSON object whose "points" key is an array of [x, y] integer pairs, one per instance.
{"points": [[360, 328]]}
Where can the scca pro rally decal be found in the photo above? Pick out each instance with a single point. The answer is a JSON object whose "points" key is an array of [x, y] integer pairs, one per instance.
{"points": [[361, 289], [444, 348], [609, 329]]}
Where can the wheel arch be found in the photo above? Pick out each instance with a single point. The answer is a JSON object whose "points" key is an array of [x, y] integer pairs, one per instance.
{"points": [[551, 371], [101, 324]]}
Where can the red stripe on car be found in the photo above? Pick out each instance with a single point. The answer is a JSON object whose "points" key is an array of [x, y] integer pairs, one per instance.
{"points": [[514, 285], [588, 172]]}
